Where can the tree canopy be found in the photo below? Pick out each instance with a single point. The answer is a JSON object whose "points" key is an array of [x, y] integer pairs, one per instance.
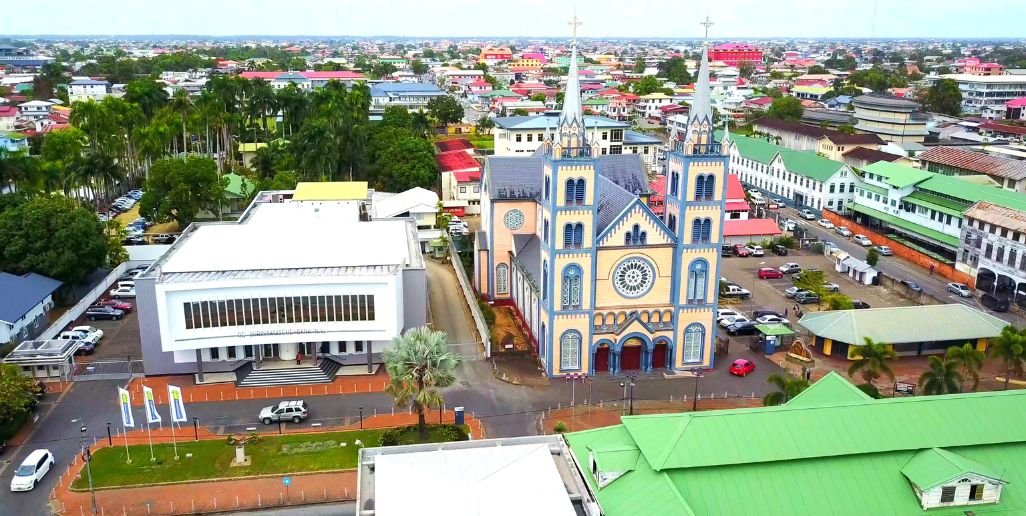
{"points": [[675, 70], [786, 108], [418, 364], [942, 97], [16, 392], [178, 189], [446, 109]]}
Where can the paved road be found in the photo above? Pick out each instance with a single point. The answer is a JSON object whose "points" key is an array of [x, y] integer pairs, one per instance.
{"points": [[333, 509]]}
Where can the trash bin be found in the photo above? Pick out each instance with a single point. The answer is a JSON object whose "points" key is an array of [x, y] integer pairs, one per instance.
{"points": [[459, 415], [770, 345]]}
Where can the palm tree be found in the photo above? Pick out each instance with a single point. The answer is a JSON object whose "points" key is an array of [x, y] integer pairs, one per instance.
{"points": [[787, 388], [941, 378], [969, 360], [872, 361], [1008, 348], [419, 363], [182, 105]]}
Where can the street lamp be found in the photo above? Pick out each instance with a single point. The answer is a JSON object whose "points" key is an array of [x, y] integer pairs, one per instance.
{"points": [[694, 399], [110, 440], [361, 418], [87, 456], [629, 384], [195, 427]]}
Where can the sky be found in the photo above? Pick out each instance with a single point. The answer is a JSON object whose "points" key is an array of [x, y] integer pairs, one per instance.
{"points": [[530, 18]]}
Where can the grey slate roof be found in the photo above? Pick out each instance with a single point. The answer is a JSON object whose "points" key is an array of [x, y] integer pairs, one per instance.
{"points": [[514, 177], [22, 293], [611, 201], [527, 250], [626, 170]]}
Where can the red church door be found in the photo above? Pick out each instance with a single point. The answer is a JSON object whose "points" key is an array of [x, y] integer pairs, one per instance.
{"points": [[659, 356], [630, 357], [602, 359]]}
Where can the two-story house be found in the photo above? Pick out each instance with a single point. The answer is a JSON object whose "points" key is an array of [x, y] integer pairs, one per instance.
{"points": [[87, 89], [35, 109]]}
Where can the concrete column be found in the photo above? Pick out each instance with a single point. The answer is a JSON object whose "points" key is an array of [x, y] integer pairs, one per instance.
{"points": [[648, 360], [199, 365], [259, 353], [370, 349]]}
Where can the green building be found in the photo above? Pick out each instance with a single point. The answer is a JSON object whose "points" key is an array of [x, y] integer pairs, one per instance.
{"points": [[831, 450]]}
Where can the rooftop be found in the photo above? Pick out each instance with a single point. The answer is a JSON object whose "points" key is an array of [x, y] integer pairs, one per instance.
{"points": [[904, 324], [885, 102], [753, 227], [334, 191], [456, 161], [976, 162], [22, 293], [869, 155], [541, 122], [998, 216]]}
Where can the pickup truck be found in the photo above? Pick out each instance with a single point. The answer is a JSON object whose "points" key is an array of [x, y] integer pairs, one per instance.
{"points": [[736, 291]]}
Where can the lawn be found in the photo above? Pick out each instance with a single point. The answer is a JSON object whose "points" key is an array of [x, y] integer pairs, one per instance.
{"points": [[482, 142], [212, 458]]}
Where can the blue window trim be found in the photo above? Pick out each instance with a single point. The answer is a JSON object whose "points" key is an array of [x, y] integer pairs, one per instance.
{"points": [[566, 302], [690, 297], [580, 349], [701, 343]]}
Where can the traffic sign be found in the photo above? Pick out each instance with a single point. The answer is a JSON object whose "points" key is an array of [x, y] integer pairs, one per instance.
{"points": [[287, 481]]}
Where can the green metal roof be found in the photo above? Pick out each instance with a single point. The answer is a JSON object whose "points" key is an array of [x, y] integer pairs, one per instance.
{"points": [[931, 468], [953, 186], [774, 330], [911, 227], [761, 461], [898, 176], [755, 148], [904, 324], [936, 202], [873, 188], [810, 165]]}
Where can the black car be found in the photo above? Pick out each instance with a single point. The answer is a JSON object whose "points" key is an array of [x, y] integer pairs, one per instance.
{"points": [[859, 305], [85, 349], [807, 298], [742, 328], [103, 312], [913, 286], [726, 250], [133, 240], [779, 250]]}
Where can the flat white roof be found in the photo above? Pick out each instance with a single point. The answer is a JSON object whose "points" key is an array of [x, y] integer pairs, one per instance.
{"points": [[488, 481]]}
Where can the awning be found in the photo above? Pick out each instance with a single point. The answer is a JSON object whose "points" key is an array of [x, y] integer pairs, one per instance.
{"points": [[774, 330], [909, 227]]}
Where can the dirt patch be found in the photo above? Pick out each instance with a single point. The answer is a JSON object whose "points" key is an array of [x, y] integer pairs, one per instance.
{"points": [[507, 334], [520, 370]]}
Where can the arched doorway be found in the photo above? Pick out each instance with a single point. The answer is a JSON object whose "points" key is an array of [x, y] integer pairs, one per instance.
{"points": [[985, 280], [602, 359], [659, 353], [630, 354]]}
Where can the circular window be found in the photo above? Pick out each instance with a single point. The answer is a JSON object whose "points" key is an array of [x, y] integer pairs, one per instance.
{"points": [[514, 219], [633, 277]]}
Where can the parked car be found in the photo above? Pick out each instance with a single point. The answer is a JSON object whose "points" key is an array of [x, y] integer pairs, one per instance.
{"points": [[85, 348], [860, 305], [759, 312], [122, 291], [726, 250], [133, 240], [94, 313], [772, 319], [913, 286], [736, 291], [825, 223], [741, 367], [741, 250], [129, 275], [862, 240], [780, 250], [807, 214], [79, 336], [769, 273], [806, 298], [734, 319], [163, 238], [961, 289], [742, 328], [843, 231], [32, 470], [791, 292], [789, 225], [294, 411], [725, 312], [831, 287], [884, 250], [94, 333], [756, 250], [790, 268], [124, 306], [997, 304]]}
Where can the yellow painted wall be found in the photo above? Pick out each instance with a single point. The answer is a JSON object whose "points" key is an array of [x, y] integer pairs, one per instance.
{"points": [[981, 345], [582, 216], [636, 216], [828, 346], [607, 297], [584, 261], [694, 212], [570, 322], [574, 171], [685, 317], [689, 255]]}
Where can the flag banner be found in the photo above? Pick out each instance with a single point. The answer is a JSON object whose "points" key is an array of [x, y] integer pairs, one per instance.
{"points": [[150, 405], [125, 404], [174, 395]]}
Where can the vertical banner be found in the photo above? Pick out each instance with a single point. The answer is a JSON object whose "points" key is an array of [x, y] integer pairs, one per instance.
{"points": [[125, 404], [174, 396], [150, 405]]}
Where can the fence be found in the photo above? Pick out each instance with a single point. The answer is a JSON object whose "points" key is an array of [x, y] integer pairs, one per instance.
{"points": [[76, 311], [108, 370], [471, 299]]}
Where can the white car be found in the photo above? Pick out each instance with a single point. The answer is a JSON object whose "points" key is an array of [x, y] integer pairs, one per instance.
{"points": [[884, 250], [961, 289], [862, 240], [831, 287], [32, 470], [789, 225], [733, 319], [843, 231], [825, 223], [772, 319], [121, 292], [725, 312], [807, 214], [79, 336], [756, 250], [89, 330]]}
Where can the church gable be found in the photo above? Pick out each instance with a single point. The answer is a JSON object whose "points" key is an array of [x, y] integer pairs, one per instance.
{"points": [[635, 225]]}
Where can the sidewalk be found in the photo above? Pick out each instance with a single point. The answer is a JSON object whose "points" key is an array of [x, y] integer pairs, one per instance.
{"points": [[193, 393], [586, 417], [253, 493]]}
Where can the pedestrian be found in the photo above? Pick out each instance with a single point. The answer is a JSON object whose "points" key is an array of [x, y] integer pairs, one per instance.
{"points": [[785, 313], [808, 374], [931, 269], [299, 358]]}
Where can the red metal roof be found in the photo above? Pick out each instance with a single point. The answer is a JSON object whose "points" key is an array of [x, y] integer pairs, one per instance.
{"points": [[735, 192], [750, 227], [453, 145], [1002, 128], [457, 161], [8, 111], [308, 75], [1014, 103], [467, 177], [737, 206]]}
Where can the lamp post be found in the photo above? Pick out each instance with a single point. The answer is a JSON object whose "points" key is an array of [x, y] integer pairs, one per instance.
{"points": [[361, 418], [195, 427], [694, 399], [87, 456], [110, 439], [628, 386]]}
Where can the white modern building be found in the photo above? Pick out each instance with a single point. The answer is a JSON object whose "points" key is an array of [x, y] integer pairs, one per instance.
{"points": [[412, 96], [35, 109], [519, 135], [980, 92], [87, 89], [303, 274]]}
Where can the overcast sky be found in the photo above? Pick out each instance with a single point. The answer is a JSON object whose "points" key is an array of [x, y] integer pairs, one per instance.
{"points": [[533, 18]]}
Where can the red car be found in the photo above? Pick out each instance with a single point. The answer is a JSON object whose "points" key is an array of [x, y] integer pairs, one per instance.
{"points": [[741, 250], [741, 367], [115, 303], [769, 273]]}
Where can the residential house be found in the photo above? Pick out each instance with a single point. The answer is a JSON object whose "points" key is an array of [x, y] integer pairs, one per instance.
{"points": [[460, 177], [648, 105], [13, 142], [413, 96], [862, 157], [35, 109], [957, 161], [833, 145], [87, 89], [1015, 109], [24, 306], [893, 119], [1004, 131], [8, 116]]}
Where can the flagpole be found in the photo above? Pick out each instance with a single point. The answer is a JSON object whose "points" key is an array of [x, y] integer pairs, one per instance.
{"points": [[149, 437], [174, 440], [125, 432]]}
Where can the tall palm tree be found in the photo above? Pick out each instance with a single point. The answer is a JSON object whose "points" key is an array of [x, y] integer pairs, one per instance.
{"points": [[182, 105], [1008, 347], [969, 360], [942, 377], [872, 361], [418, 364], [787, 387]]}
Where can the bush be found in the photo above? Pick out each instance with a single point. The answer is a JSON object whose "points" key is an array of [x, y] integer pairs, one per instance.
{"points": [[870, 389], [559, 427], [452, 432], [786, 241], [839, 302], [392, 436], [872, 257], [487, 311]]}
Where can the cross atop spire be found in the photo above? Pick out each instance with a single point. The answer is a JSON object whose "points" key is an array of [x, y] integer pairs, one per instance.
{"points": [[574, 23], [570, 132], [707, 23]]}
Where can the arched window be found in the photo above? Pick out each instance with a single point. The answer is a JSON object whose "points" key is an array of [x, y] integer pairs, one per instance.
{"points": [[699, 187], [502, 278], [707, 231], [545, 280], [571, 191], [636, 236], [548, 185], [580, 191], [671, 222], [627, 238], [696, 231], [674, 179], [570, 350], [568, 236], [710, 187], [571, 299], [643, 238], [578, 235], [698, 279], [545, 232], [694, 342]]}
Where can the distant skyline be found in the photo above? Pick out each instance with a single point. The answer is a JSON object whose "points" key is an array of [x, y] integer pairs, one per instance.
{"points": [[948, 19]]}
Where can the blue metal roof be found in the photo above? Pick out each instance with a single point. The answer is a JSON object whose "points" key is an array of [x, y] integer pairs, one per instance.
{"points": [[541, 122], [88, 82], [22, 293], [383, 89], [636, 138]]}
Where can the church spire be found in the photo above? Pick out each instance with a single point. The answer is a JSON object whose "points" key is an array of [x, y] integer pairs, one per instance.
{"points": [[699, 128], [570, 133]]}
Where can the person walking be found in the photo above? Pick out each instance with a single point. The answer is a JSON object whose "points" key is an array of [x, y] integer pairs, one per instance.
{"points": [[931, 269], [299, 358]]}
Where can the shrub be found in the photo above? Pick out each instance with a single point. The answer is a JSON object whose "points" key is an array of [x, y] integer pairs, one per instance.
{"points": [[487, 311], [786, 241], [839, 302], [872, 257], [559, 427], [870, 389], [452, 432], [392, 436]]}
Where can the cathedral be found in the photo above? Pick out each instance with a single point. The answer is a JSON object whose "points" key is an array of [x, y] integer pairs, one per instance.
{"points": [[602, 283]]}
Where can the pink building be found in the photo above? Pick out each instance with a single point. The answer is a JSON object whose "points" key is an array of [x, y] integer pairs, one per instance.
{"points": [[733, 54]]}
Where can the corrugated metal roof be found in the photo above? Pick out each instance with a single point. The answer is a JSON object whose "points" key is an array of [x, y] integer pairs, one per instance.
{"points": [[830, 389], [904, 324], [315, 272], [22, 293], [930, 468], [976, 162], [998, 215]]}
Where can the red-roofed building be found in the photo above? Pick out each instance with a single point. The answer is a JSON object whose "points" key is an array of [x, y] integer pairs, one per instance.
{"points": [[1016, 132], [455, 144], [657, 199], [742, 231], [733, 54], [8, 114], [758, 103], [478, 86], [461, 179], [737, 207], [1015, 109]]}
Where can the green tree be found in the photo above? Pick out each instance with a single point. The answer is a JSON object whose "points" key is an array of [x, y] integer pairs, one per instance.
{"points": [[16, 392], [146, 94], [872, 257], [54, 236], [519, 112], [380, 70], [418, 67], [1008, 347], [537, 97], [839, 302], [943, 70], [817, 70], [872, 361], [647, 84], [639, 65], [403, 161], [813, 281], [396, 116], [746, 69], [485, 125], [44, 84], [675, 70], [787, 387], [969, 360], [942, 97], [446, 109], [941, 377], [786, 108], [178, 189], [418, 364]]}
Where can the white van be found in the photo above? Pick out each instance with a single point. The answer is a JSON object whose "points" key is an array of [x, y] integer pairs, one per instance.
{"points": [[126, 284], [32, 469]]}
